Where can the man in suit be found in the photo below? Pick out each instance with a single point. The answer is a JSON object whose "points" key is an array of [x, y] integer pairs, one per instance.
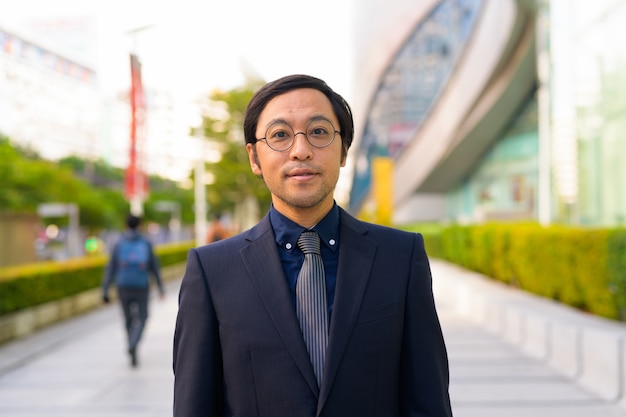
{"points": [[240, 348]]}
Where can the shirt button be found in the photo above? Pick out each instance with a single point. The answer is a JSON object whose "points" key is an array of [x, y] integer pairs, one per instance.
{"points": [[288, 246], [332, 242]]}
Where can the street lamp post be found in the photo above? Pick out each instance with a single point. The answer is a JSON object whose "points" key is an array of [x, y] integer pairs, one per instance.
{"points": [[172, 207], [200, 205]]}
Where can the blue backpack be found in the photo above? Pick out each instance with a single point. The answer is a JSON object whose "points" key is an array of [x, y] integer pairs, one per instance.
{"points": [[133, 259]]}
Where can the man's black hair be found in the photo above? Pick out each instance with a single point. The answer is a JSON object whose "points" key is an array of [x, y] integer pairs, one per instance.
{"points": [[133, 221]]}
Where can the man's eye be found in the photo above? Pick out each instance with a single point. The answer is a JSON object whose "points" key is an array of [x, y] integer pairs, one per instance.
{"points": [[280, 135], [318, 131]]}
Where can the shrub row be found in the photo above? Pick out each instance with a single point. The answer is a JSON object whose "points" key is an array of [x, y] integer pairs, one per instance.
{"points": [[584, 268], [33, 284]]}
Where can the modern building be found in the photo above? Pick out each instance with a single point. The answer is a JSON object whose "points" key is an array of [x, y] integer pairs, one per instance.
{"points": [[492, 109], [48, 100], [52, 100]]}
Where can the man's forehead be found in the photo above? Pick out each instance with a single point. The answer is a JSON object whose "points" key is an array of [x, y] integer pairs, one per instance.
{"points": [[303, 102]]}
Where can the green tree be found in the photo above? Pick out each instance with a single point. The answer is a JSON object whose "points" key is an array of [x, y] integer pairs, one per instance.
{"points": [[233, 179], [27, 180], [109, 181], [162, 189], [98, 173]]}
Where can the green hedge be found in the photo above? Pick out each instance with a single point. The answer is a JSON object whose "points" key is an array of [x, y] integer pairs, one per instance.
{"points": [[584, 268], [33, 284]]}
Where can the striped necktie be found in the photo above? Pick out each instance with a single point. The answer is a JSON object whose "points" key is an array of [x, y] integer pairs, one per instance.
{"points": [[311, 304]]}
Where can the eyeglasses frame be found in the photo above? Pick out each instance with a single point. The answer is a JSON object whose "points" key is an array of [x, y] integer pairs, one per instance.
{"points": [[305, 136]]}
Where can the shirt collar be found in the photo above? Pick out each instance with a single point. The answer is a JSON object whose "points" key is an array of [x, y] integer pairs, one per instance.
{"points": [[288, 231]]}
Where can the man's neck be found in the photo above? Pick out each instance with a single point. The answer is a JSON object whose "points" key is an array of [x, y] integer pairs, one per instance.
{"points": [[305, 217]]}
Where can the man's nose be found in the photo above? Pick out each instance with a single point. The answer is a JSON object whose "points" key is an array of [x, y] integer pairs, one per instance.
{"points": [[301, 149]]}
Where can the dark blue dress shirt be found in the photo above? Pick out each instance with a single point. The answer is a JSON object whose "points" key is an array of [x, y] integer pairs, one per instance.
{"points": [[287, 233]]}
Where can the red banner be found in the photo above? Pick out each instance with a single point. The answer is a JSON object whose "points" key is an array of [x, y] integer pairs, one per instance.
{"points": [[136, 182]]}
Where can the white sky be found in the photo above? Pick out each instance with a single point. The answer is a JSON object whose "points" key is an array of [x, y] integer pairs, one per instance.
{"points": [[194, 46]]}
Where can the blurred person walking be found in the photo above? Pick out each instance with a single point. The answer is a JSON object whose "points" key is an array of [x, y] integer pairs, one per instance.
{"points": [[311, 312], [217, 231], [131, 263]]}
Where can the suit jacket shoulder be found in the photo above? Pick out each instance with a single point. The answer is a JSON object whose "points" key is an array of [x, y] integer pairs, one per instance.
{"points": [[378, 233]]}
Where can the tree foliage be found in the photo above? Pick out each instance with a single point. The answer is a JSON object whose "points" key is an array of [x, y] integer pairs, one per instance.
{"points": [[233, 178], [27, 180]]}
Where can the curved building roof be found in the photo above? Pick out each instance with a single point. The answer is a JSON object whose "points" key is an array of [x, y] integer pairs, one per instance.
{"points": [[437, 82]]}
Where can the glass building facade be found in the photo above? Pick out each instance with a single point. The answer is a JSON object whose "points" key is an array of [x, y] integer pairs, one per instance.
{"points": [[411, 85], [587, 129], [504, 184], [598, 93], [587, 134], [577, 137]]}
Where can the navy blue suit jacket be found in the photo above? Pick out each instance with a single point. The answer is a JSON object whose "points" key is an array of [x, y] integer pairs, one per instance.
{"points": [[239, 351]]}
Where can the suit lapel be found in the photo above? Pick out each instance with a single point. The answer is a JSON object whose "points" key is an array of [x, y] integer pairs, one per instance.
{"points": [[356, 255], [262, 261]]}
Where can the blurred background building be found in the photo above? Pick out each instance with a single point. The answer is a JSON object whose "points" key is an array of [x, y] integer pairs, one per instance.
{"points": [[492, 109], [47, 94], [52, 101]]}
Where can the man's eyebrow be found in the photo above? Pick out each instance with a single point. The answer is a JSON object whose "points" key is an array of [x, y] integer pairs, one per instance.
{"points": [[276, 121], [320, 117], [315, 118]]}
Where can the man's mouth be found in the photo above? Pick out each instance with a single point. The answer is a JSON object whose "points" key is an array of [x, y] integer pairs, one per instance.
{"points": [[301, 174]]}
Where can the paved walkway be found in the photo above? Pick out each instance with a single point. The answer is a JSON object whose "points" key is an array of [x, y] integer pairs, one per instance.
{"points": [[80, 368], [491, 378]]}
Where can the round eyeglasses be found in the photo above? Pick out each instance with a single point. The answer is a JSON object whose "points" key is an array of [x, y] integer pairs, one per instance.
{"points": [[280, 136]]}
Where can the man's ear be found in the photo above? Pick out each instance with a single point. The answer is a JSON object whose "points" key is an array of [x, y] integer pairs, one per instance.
{"points": [[254, 159]]}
